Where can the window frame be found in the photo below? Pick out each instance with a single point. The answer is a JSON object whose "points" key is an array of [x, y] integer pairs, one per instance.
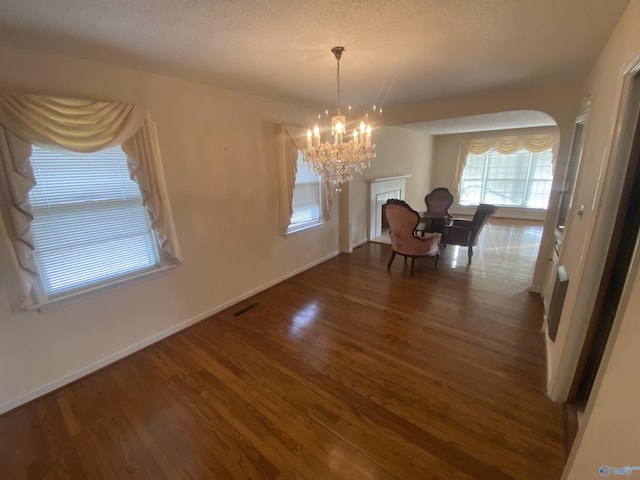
{"points": [[527, 180], [55, 122], [69, 198], [314, 223]]}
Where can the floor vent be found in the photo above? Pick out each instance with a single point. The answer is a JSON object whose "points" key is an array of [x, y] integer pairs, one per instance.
{"points": [[246, 309]]}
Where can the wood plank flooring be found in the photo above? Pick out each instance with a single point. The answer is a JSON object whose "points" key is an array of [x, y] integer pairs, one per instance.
{"points": [[346, 371]]}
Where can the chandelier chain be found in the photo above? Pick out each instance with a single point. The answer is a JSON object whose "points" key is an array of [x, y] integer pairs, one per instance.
{"points": [[338, 89]]}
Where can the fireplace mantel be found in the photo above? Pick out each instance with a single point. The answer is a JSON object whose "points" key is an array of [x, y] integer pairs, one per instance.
{"points": [[380, 190], [388, 179]]}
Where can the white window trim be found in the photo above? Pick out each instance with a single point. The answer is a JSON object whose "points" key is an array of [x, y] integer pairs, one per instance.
{"points": [[79, 202], [101, 288], [26, 119], [303, 227], [290, 139], [528, 182]]}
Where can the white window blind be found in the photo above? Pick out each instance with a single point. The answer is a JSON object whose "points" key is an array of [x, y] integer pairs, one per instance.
{"points": [[307, 206], [89, 225], [520, 179]]}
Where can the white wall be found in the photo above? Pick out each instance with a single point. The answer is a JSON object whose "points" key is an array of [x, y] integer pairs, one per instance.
{"points": [[598, 190], [446, 154], [610, 433], [399, 151], [218, 151]]}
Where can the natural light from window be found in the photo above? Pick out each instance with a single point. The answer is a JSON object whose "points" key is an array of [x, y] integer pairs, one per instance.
{"points": [[520, 179], [307, 197], [89, 224]]}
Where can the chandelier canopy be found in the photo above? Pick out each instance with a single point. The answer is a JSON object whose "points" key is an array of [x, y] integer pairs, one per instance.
{"points": [[341, 154]]}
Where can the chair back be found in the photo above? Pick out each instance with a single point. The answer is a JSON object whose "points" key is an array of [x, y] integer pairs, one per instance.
{"points": [[403, 221], [439, 201], [483, 213]]}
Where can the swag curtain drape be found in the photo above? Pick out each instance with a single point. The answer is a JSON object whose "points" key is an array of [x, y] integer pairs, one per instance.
{"points": [[511, 144], [505, 145], [291, 139], [288, 167], [16, 179], [81, 126]]}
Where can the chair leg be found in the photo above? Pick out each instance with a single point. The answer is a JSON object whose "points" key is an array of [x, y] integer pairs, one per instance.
{"points": [[437, 259], [393, 255], [470, 253], [413, 259]]}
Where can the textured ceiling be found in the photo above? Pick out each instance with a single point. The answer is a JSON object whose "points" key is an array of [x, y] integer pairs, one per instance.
{"points": [[486, 122], [397, 51]]}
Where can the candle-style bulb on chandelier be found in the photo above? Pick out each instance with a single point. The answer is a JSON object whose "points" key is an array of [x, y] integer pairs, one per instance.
{"points": [[340, 154]]}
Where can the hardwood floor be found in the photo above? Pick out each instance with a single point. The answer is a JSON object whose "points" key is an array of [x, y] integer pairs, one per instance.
{"points": [[346, 371]]}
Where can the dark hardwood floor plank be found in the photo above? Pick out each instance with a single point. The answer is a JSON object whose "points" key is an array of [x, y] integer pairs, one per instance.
{"points": [[360, 395], [58, 458], [345, 371], [203, 434], [319, 407], [265, 423], [420, 370]]}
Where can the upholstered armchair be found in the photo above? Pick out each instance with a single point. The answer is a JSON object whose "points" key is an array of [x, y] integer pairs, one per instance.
{"points": [[403, 221], [437, 214], [466, 232]]}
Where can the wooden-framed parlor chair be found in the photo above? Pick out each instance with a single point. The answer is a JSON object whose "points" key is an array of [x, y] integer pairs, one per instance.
{"points": [[403, 221], [466, 232], [438, 203]]}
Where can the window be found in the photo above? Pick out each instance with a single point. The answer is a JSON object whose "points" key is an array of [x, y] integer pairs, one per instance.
{"points": [[520, 179], [90, 226], [98, 218], [307, 197]]}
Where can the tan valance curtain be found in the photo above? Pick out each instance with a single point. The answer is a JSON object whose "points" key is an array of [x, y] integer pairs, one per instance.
{"points": [[290, 139], [511, 144], [76, 125], [505, 145]]}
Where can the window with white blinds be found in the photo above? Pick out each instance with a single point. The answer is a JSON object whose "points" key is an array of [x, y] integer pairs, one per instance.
{"points": [[89, 224], [307, 198], [520, 179]]}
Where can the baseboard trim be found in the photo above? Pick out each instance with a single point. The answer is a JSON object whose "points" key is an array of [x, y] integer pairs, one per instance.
{"points": [[114, 357], [359, 243], [547, 358], [512, 213]]}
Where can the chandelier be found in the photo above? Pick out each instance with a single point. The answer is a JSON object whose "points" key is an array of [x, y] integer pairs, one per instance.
{"points": [[341, 154]]}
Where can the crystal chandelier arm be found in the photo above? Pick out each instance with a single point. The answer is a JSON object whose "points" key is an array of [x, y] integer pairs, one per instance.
{"points": [[338, 160]]}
